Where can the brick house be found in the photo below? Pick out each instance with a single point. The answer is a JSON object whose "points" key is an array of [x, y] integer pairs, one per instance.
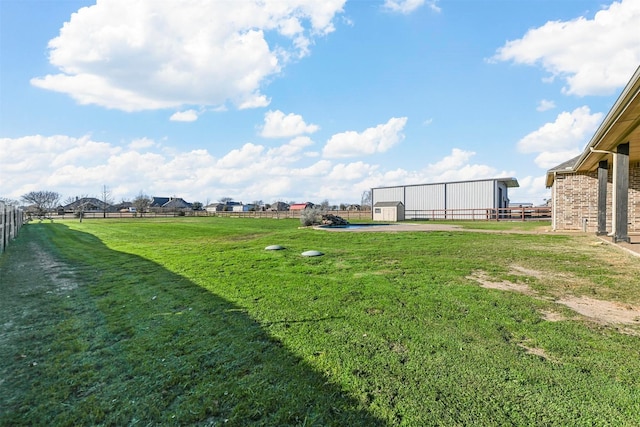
{"points": [[599, 191]]}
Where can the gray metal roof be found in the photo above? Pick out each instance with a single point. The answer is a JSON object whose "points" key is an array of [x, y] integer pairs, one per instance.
{"points": [[387, 204], [510, 182]]}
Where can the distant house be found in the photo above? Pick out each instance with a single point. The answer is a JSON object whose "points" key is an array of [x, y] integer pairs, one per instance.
{"points": [[354, 208], [169, 204], [229, 206], [232, 206], [279, 206], [123, 207], [85, 204], [158, 202], [241, 207], [301, 206], [214, 207], [177, 203]]}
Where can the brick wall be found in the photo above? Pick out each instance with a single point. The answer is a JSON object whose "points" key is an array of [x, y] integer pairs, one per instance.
{"points": [[575, 197]]}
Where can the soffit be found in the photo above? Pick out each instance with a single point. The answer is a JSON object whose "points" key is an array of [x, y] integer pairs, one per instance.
{"points": [[621, 125]]}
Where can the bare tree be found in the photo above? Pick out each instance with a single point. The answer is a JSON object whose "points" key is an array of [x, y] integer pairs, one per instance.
{"points": [[41, 202], [141, 203], [9, 201], [257, 204], [106, 200], [324, 206], [366, 200]]}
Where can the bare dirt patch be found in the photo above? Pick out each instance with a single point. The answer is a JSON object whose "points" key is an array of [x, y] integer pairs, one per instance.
{"points": [[600, 311], [58, 272], [553, 316], [604, 311], [536, 351], [505, 285]]}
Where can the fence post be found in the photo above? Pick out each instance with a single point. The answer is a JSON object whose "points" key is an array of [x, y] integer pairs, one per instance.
{"points": [[3, 217], [11, 219]]}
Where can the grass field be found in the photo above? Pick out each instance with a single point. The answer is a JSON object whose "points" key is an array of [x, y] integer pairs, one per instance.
{"points": [[189, 321]]}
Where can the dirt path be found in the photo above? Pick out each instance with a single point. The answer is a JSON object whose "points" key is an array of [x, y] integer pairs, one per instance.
{"points": [[33, 286]]}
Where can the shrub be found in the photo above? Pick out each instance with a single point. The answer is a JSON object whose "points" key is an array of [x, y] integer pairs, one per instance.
{"points": [[310, 217]]}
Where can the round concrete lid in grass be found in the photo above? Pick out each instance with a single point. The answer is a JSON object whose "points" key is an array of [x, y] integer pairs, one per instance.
{"points": [[274, 248], [312, 253]]}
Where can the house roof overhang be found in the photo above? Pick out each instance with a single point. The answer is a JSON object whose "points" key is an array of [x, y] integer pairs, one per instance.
{"points": [[621, 125]]}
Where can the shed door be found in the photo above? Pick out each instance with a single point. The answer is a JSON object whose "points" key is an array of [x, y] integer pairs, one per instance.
{"points": [[388, 214]]}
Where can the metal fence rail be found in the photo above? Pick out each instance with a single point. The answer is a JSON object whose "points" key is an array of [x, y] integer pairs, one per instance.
{"points": [[11, 219], [488, 214]]}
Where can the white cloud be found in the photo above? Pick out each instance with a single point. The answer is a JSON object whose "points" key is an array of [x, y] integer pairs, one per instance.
{"points": [[140, 143], [150, 55], [550, 159], [532, 189], [545, 105], [452, 162], [277, 125], [373, 140], [78, 166], [409, 6], [319, 168], [246, 155], [184, 116], [457, 166], [351, 171], [561, 139], [593, 56], [292, 150]]}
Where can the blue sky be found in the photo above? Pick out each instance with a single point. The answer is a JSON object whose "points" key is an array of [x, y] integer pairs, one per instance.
{"points": [[300, 100]]}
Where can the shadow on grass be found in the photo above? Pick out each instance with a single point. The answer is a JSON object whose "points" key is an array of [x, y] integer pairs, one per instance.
{"points": [[95, 336]]}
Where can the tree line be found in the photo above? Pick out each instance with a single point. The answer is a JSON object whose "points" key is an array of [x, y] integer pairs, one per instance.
{"points": [[42, 203]]}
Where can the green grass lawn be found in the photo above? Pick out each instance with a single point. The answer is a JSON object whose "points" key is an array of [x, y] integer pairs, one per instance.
{"points": [[189, 321]]}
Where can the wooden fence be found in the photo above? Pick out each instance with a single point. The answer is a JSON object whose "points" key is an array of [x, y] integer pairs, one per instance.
{"points": [[11, 219], [348, 215], [502, 214]]}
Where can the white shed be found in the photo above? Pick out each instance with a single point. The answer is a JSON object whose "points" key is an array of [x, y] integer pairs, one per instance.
{"points": [[388, 211]]}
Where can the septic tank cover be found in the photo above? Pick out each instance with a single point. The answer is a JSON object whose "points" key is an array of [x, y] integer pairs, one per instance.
{"points": [[312, 253], [274, 248]]}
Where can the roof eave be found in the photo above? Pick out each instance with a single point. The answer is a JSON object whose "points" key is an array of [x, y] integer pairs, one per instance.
{"points": [[599, 140]]}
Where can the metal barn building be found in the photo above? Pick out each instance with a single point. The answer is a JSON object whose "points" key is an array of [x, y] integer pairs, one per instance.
{"points": [[457, 200]]}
